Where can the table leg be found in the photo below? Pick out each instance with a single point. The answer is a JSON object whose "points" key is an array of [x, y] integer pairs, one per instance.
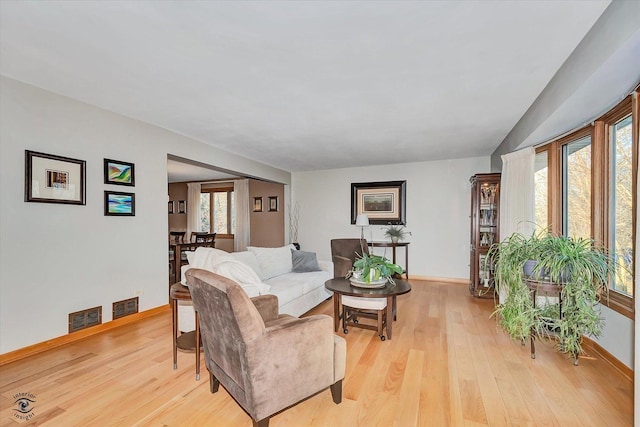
{"points": [[177, 263], [174, 304], [177, 256], [336, 311], [389, 316], [197, 347], [406, 261]]}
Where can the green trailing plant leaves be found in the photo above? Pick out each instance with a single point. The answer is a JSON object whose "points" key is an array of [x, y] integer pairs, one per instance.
{"points": [[582, 269], [367, 263]]}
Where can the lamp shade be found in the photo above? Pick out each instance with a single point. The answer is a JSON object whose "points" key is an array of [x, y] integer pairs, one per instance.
{"points": [[362, 220]]}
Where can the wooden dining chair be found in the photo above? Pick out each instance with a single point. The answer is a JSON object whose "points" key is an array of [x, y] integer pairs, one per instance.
{"points": [[203, 238], [176, 237]]}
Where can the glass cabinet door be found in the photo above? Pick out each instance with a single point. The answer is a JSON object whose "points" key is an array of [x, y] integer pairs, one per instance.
{"points": [[488, 214], [485, 231]]}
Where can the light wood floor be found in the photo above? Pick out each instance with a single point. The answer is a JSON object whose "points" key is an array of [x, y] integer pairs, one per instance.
{"points": [[447, 365]]}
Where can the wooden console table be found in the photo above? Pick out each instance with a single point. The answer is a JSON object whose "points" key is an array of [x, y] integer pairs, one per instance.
{"points": [[188, 341], [393, 247]]}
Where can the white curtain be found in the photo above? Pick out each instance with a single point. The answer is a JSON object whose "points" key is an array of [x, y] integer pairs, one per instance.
{"points": [[193, 208], [517, 194], [242, 233]]}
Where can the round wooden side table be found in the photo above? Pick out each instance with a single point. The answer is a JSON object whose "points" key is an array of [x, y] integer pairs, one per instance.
{"points": [[341, 286], [188, 341]]}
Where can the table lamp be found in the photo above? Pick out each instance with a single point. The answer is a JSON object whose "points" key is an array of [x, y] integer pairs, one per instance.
{"points": [[362, 221]]}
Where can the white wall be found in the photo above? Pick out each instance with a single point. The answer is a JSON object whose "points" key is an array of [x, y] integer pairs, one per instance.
{"points": [[617, 336], [438, 206], [56, 259]]}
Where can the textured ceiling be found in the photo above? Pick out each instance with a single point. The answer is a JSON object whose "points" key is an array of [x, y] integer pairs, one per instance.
{"points": [[303, 85]]}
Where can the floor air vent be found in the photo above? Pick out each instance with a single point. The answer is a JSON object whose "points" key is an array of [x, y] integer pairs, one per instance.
{"points": [[85, 318], [125, 307]]}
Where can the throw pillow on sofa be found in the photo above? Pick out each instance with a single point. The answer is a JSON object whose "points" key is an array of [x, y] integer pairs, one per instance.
{"points": [[242, 274], [248, 258], [273, 261], [304, 262], [206, 258]]}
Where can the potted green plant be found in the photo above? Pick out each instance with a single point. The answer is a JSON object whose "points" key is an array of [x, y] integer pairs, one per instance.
{"points": [[507, 259], [370, 268], [579, 269], [395, 233]]}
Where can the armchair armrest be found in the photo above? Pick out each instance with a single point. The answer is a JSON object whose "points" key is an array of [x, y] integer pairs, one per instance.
{"points": [[267, 306], [292, 360], [341, 266]]}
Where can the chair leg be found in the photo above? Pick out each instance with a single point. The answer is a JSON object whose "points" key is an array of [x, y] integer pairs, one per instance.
{"points": [[345, 314], [214, 384], [336, 391], [262, 423]]}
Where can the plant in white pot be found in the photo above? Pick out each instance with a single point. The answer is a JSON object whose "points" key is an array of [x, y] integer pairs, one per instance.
{"points": [[370, 268], [395, 233]]}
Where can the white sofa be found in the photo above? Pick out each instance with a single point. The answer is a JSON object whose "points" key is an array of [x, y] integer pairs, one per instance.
{"points": [[272, 268]]}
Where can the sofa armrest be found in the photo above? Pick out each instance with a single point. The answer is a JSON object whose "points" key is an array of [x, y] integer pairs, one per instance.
{"points": [[267, 306], [326, 266]]}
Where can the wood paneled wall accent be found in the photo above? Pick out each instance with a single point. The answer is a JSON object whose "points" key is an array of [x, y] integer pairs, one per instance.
{"points": [[267, 228], [178, 191]]}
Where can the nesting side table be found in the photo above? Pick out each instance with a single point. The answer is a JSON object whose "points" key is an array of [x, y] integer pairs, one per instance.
{"points": [[189, 341]]}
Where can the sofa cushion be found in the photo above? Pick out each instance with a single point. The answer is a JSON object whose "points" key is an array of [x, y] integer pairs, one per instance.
{"points": [[273, 261], [304, 262], [285, 290], [306, 282], [248, 258]]}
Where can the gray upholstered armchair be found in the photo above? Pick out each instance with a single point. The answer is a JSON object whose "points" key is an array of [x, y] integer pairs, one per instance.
{"points": [[343, 254], [265, 360]]}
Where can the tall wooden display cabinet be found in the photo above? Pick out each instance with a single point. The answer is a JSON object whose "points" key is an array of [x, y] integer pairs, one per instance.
{"points": [[485, 230]]}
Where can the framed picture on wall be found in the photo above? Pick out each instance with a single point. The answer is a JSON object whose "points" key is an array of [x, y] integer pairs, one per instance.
{"points": [[171, 207], [257, 204], [119, 173], [54, 179], [382, 202], [273, 203], [119, 204], [182, 206]]}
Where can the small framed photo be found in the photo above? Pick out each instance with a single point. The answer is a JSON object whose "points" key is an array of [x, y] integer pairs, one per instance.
{"points": [[54, 179], [119, 173], [257, 204], [182, 206], [273, 203], [172, 207], [119, 204]]}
